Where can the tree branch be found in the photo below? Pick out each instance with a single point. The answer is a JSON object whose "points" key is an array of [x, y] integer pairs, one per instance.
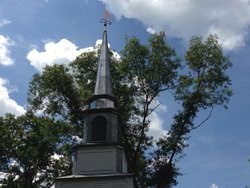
{"points": [[202, 122], [153, 109]]}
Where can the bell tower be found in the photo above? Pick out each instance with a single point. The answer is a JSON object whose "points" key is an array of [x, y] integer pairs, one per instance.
{"points": [[99, 161], [101, 124]]}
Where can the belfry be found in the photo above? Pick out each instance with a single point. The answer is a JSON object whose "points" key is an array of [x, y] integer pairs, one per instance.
{"points": [[99, 162]]}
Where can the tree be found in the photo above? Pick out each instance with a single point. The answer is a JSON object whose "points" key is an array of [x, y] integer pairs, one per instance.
{"points": [[30, 150], [203, 87], [143, 73]]}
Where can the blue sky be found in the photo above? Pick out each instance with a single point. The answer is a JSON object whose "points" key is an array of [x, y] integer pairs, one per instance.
{"points": [[34, 33]]}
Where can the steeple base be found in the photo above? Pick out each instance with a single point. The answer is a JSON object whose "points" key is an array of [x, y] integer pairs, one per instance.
{"points": [[99, 159], [96, 181]]}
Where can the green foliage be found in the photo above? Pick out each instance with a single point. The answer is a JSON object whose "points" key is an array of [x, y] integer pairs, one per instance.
{"points": [[149, 70], [204, 86], [28, 144], [143, 73], [54, 92], [206, 80]]}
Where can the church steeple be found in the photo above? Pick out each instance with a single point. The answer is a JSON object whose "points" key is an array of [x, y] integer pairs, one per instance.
{"points": [[103, 84], [103, 97], [101, 124], [99, 161]]}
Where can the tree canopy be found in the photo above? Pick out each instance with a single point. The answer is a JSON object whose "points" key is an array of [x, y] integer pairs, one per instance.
{"points": [[30, 150], [144, 72]]}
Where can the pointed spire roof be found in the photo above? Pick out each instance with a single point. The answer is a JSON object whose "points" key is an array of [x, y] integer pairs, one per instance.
{"points": [[103, 84]]}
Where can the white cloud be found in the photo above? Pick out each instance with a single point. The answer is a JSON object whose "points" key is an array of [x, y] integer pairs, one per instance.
{"points": [[3, 176], [214, 186], [5, 43], [77, 139], [8, 105], [56, 157], [61, 52], [229, 19], [156, 128], [4, 22], [151, 30]]}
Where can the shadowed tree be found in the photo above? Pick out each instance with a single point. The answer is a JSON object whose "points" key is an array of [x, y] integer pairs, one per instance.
{"points": [[30, 150]]}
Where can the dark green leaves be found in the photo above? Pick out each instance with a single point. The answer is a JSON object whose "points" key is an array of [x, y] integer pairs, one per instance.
{"points": [[206, 80], [147, 71], [204, 86], [152, 68], [28, 144]]}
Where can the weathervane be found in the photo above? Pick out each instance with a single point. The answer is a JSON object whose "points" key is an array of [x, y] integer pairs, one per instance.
{"points": [[106, 20]]}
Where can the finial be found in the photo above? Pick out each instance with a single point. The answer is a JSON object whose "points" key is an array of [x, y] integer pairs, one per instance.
{"points": [[106, 20]]}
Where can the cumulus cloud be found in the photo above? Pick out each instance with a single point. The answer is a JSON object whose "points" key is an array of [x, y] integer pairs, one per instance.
{"points": [[61, 52], [3, 176], [4, 22], [156, 128], [5, 43], [151, 30], [229, 19], [214, 186], [8, 105]]}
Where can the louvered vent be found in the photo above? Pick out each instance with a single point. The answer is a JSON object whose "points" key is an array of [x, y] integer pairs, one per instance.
{"points": [[99, 129]]}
